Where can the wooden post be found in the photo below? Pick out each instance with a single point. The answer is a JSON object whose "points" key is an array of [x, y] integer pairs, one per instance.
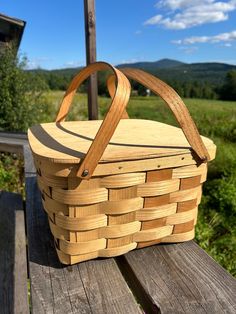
{"points": [[90, 37]]}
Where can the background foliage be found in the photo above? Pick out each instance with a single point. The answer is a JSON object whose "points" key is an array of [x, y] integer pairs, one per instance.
{"points": [[21, 94]]}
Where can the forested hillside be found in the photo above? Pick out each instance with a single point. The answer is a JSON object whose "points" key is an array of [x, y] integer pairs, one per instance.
{"points": [[196, 80]]}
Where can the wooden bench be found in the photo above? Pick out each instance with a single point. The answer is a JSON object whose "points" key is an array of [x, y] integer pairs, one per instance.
{"points": [[176, 278]]}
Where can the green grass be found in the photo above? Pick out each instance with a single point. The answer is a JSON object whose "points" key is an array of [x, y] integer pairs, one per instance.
{"points": [[215, 231]]}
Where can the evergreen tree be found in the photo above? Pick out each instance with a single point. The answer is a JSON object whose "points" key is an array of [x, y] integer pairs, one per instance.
{"points": [[228, 90]]}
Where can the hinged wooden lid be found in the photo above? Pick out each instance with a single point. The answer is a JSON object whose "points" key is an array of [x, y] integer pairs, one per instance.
{"points": [[68, 142]]}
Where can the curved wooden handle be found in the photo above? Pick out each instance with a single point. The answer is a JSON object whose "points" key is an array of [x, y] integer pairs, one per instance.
{"points": [[176, 105], [119, 101]]}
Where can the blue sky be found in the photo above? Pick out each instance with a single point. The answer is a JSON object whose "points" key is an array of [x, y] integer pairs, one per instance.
{"points": [[127, 31]]}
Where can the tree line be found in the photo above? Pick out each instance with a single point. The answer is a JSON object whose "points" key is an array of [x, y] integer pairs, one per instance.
{"points": [[59, 80], [23, 101]]}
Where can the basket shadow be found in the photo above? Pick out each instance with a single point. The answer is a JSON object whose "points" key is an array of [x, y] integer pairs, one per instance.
{"points": [[41, 242]]}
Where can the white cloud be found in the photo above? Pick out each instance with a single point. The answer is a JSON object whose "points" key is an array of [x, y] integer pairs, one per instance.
{"points": [[188, 49], [223, 37], [154, 20], [182, 14], [73, 64], [125, 61], [180, 4]]}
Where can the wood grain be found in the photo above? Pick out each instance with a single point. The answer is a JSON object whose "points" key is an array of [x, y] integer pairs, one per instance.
{"points": [[180, 278], [69, 142], [13, 264], [90, 40], [110, 168], [106, 290]]}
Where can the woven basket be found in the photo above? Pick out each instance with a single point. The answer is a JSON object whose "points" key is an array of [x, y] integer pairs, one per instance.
{"points": [[111, 186]]}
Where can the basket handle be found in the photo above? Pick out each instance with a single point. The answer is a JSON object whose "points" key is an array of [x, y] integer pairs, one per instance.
{"points": [[175, 103], [120, 97]]}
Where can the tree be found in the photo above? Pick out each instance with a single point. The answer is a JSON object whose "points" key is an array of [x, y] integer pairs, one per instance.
{"points": [[187, 89], [228, 90], [21, 99]]}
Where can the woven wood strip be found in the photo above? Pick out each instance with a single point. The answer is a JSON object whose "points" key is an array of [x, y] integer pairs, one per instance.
{"points": [[156, 212], [123, 193], [116, 231], [156, 200], [111, 168], [151, 234], [123, 180], [118, 242], [85, 223], [189, 183], [82, 197], [153, 224], [82, 247], [148, 243], [180, 218], [109, 207], [189, 171], [184, 227], [158, 188], [181, 237], [186, 205], [185, 195], [109, 252], [121, 219], [159, 175]]}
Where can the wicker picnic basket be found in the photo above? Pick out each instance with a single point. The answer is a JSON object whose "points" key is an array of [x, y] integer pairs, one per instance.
{"points": [[111, 186]]}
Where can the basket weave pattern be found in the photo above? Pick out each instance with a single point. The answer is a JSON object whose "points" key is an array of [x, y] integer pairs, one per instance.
{"points": [[113, 214], [105, 200]]}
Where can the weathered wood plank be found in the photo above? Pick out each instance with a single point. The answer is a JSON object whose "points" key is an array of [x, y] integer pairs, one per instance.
{"points": [[179, 278], [12, 142], [90, 287], [40, 281], [106, 289], [13, 264], [20, 136]]}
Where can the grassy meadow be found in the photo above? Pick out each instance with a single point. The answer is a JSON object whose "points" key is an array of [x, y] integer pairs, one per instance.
{"points": [[215, 232]]}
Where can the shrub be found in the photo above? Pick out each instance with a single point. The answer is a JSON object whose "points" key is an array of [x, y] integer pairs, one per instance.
{"points": [[21, 94]]}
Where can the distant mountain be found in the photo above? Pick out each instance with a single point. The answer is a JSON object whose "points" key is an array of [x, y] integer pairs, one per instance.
{"points": [[167, 70], [161, 64]]}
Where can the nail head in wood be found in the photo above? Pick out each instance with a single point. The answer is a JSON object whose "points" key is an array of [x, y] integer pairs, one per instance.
{"points": [[85, 173]]}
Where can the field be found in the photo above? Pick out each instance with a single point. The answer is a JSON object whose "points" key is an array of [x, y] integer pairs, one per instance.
{"points": [[216, 232]]}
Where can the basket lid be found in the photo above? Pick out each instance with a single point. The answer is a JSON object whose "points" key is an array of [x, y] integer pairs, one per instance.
{"points": [[68, 142]]}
